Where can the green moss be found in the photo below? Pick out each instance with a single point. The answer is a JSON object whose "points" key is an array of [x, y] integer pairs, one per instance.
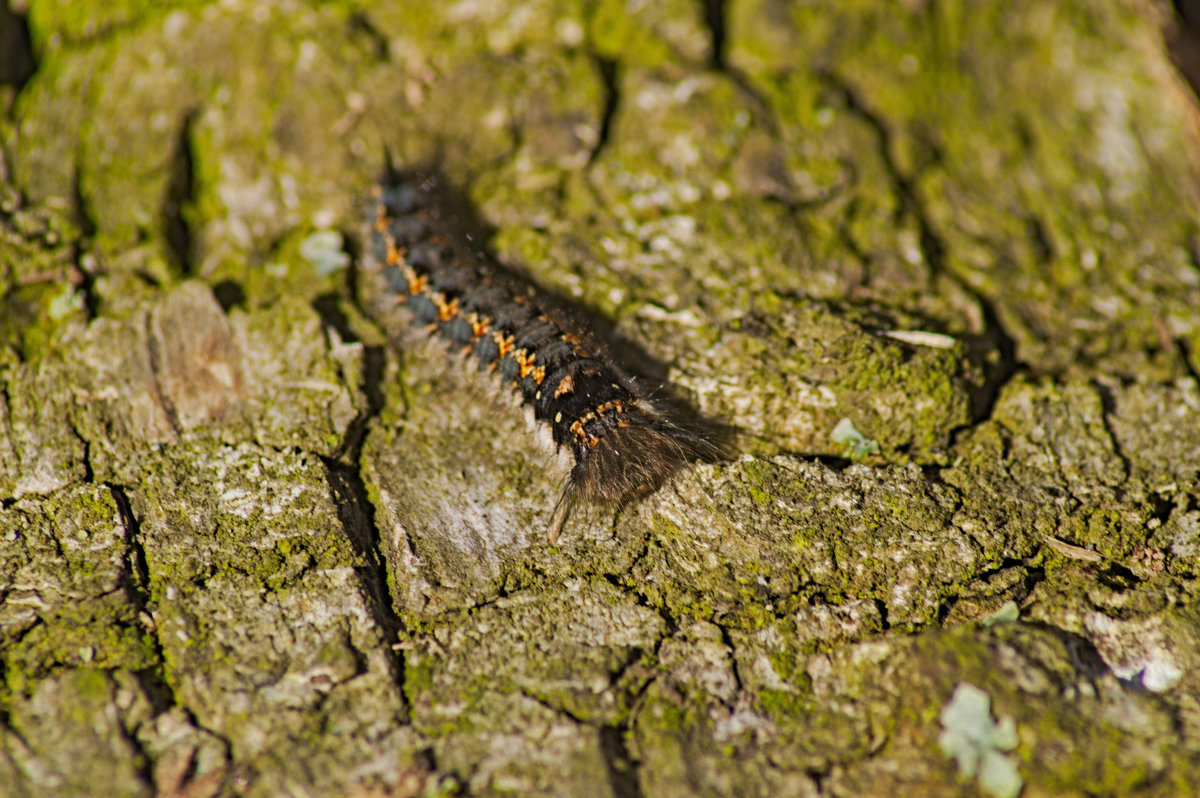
{"points": [[97, 636], [783, 706], [756, 474], [34, 317], [418, 677], [78, 22], [786, 660], [664, 528], [614, 33], [665, 716]]}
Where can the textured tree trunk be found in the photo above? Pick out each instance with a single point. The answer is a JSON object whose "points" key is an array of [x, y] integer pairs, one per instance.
{"points": [[258, 536]]}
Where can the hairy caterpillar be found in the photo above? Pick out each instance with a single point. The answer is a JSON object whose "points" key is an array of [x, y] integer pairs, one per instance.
{"points": [[623, 447]]}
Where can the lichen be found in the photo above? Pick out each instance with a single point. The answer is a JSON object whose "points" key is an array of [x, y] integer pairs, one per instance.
{"points": [[978, 744]]}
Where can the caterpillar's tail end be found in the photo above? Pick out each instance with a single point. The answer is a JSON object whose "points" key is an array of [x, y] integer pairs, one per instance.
{"points": [[629, 462], [632, 461], [625, 464]]}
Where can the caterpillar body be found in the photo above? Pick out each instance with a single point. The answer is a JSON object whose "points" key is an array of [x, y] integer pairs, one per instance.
{"points": [[623, 447]]}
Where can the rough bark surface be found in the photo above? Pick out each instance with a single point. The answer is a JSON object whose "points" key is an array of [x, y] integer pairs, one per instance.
{"points": [[256, 540]]}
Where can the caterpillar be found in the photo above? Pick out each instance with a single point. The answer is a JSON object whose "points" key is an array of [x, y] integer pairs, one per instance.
{"points": [[623, 447]]}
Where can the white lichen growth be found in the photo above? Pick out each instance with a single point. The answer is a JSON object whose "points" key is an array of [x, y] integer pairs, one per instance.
{"points": [[324, 250], [858, 446], [66, 302], [1008, 612], [978, 743]]}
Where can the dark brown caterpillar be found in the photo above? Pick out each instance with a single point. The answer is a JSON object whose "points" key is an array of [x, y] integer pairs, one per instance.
{"points": [[623, 448]]}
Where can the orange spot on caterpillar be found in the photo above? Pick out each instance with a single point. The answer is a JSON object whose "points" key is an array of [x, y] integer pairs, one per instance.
{"points": [[446, 310], [615, 404], [592, 415], [394, 253], [504, 343], [479, 326], [566, 386], [524, 361], [416, 282], [576, 342]]}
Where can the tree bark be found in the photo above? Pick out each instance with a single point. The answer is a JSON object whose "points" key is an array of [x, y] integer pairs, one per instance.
{"points": [[258, 536]]}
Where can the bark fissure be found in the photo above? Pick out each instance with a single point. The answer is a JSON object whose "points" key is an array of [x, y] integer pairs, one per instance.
{"points": [[179, 198], [933, 250], [609, 71]]}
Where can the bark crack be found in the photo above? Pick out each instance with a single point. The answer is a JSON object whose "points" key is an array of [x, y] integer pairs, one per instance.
{"points": [[344, 476], [179, 197], [933, 249], [610, 77], [17, 60]]}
